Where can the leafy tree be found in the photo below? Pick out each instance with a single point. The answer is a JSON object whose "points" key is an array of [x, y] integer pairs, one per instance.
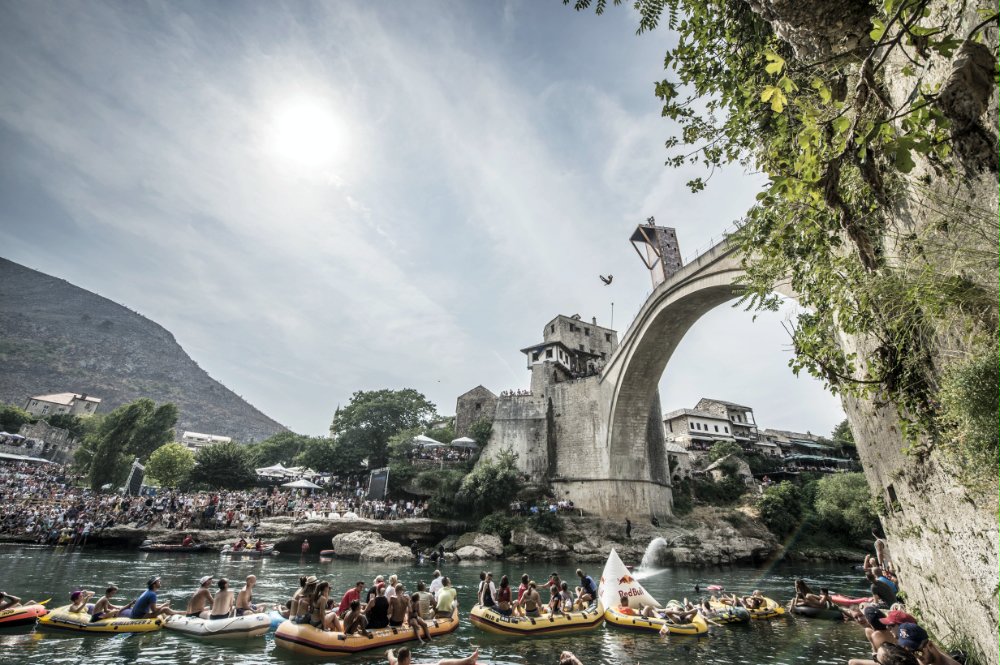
{"points": [[480, 432], [132, 430], [320, 454], [75, 425], [493, 484], [968, 419], [842, 434], [371, 418], [223, 466], [170, 464], [281, 448], [781, 508], [723, 448], [442, 485], [12, 417], [842, 504]]}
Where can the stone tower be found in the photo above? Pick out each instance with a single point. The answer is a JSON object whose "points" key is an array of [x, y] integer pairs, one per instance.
{"points": [[657, 247]]}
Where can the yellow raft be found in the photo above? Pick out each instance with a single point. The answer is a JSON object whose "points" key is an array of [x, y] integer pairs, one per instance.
{"points": [[63, 619], [770, 610], [697, 626], [304, 639], [488, 619]]}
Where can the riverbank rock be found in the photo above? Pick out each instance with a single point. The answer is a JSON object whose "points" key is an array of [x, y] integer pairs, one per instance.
{"points": [[487, 542], [472, 553], [350, 545], [534, 545], [385, 550]]}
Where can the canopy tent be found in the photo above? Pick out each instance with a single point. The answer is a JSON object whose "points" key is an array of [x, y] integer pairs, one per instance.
{"points": [[275, 470], [464, 442], [299, 471], [426, 441], [301, 484], [24, 458], [617, 583]]}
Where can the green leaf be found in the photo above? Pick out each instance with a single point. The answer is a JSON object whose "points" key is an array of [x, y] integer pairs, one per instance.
{"points": [[774, 95], [904, 161], [775, 63], [878, 30], [841, 124]]}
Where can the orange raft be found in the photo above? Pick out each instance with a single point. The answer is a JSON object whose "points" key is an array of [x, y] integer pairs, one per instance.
{"points": [[21, 616], [307, 640]]}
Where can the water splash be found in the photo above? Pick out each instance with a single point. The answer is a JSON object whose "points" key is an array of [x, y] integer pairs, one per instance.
{"points": [[652, 557]]}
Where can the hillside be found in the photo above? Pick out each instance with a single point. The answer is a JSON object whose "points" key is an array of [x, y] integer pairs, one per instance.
{"points": [[56, 337]]}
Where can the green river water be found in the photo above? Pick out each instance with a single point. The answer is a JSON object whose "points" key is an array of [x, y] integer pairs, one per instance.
{"points": [[39, 573]]}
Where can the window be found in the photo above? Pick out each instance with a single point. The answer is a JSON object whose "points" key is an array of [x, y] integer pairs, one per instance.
{"points": [[602, 355], [670, 426], [725, 428], [716, 428], [586, 331], [552, 328], [607, 337], [478, 406], [581, 347], [534, 356], [572, 328], [548, 353]]}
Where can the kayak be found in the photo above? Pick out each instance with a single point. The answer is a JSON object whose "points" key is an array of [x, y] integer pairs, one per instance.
{"points": [[328, 553], [248, 625], [229, 551], [21, 616], [301, 638], [490, 620], [723, 613], [697, 625], [62, 618], [846, 601], [174, 549], [831, 613]]}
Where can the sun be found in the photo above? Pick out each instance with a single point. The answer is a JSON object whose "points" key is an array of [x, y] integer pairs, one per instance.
{"points": [[307, 134]]}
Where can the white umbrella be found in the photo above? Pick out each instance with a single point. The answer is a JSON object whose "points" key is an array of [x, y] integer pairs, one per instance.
{"points": [[302, 484], [464, 442], [426, 441]]}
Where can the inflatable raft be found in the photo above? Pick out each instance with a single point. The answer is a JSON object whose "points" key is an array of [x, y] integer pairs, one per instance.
{"points": [[21, 616], [769, 610], [722, 613], [845, 601], [63, 619], [229, 551], [617, 584], [831, 613], [248, 625], [173, 549], [488, 619], [306, 640]]}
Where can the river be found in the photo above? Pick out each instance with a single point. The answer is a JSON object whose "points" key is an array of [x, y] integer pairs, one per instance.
{"points": [[32, 572]]}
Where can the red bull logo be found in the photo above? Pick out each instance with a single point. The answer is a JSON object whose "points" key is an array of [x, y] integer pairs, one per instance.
{"points": [[627, 579], [629, 593]]}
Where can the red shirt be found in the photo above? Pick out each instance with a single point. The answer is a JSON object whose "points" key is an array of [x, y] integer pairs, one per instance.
{"points": [[352, 594], [503, 594], [521, 590]]}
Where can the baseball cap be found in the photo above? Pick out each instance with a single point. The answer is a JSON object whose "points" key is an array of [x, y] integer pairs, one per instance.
{"points": [[874, 617], [897, 617], [911, 636], [206, 578]]}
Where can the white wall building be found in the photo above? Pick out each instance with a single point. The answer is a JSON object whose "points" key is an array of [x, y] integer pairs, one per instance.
{"points": [[70, 403], [696, 430], [196, 440]]}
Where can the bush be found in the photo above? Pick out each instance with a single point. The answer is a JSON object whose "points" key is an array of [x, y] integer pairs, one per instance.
{"points": [[492, 483], [968, 418], [442, 485], [683, 504], [723, 493], [501, 524], [781, 508], [843, 506], [546, 523], [723, 448]]}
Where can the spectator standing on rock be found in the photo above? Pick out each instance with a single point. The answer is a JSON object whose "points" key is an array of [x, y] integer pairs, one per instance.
{"points": [[628, 528]]}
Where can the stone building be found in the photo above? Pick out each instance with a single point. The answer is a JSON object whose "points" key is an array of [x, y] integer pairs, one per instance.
{"points": [[659, 250], [197, 440], [740, 419], [52, 443], [69, 403], [678, 461], [696, 431], [477, 404], [717, 470]]}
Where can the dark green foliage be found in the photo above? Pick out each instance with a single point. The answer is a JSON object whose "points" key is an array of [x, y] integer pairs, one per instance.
{"points": [[372, 418], [683, 503], [722, 493], [763, 463], [12, 417], [132, 430], [842, 434], [320, 454], [75, 425], [501, 523], [442, 485], [492, 485], [781, 508], [480, 431], [843, 507], [170, 464], [546, 523], [401, 474], [223, 466], [281, 448], [722, 449]]}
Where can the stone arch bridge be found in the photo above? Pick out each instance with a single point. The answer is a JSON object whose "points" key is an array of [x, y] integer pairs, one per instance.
{"points": [[599, 440]]}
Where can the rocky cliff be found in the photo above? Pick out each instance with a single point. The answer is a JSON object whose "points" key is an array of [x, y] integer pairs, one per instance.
{"points": [[56, 337]]}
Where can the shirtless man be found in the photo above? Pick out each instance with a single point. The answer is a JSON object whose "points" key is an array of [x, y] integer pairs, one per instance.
{"points": [[78, 600], [103, 609], [355, 620], [202, 598], [8, 601], [403, 657], [399, 605], [222, 605], [876, 631], [244, 600]]}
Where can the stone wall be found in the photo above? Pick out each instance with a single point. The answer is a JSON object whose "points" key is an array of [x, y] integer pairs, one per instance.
{"points": [[478, 404], [520, 423]]}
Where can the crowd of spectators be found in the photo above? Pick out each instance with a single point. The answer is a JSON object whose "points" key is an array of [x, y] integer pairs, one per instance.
{"points": [[551, 505], [441, 454], [520, 392], [48, 504]]}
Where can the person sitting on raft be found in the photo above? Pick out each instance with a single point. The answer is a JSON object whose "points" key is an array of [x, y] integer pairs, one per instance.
{"points": [[298, 610], [804, 596], [399, 606], [145, 606], [415, 620], [201, 601], [188, 541], [259, 545], [754, 601], [103, 608], [624, 607], [887, 654], [222, 605], [447, 599], [78, 600], [354, 593], [355, 620], [504, 604], [244, 600], [9, 602], [914, 639], [404, 657], [586, 592], [530, 602], [377, 611]]}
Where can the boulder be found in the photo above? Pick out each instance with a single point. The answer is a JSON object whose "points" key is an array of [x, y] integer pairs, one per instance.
{"points": [[484, 541], [533, 543], [385, 550], [472, 553], [350, 545]]}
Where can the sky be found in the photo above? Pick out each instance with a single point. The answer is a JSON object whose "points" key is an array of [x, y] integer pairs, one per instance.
{"points": [[320, 198]]}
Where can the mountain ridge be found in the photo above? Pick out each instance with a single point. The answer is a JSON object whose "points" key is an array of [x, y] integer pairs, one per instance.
{"points": [[57, 337]]}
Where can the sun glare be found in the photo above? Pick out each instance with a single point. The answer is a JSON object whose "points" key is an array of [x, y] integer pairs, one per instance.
{"points": [[308, 134]]}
